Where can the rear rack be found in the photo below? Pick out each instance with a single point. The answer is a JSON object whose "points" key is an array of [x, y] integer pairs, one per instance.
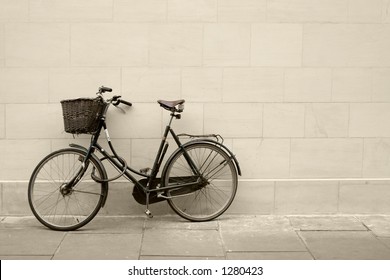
{"points": [[217, 137]]}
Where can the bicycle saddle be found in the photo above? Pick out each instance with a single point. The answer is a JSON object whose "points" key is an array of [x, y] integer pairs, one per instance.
{"points": [[170, 105]]}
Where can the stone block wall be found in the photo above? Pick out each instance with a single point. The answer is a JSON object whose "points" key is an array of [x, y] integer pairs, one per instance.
{"points": [[300, 89]]}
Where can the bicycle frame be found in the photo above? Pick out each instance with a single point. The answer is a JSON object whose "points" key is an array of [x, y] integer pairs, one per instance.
{"points": [[153, 184], [127, 171]]}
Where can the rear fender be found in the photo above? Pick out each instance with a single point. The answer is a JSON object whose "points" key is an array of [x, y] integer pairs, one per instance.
{"points": [[209, 141], [220, 145]]}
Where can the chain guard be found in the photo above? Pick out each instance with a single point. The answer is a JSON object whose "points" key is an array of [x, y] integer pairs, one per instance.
{"points": [[140, 196]]}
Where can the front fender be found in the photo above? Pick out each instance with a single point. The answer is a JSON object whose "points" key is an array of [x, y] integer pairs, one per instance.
{"points": [[104, 184]]}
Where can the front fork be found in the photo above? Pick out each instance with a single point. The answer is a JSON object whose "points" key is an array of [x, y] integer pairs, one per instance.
{"points": [[67, 188], [85, 162]]}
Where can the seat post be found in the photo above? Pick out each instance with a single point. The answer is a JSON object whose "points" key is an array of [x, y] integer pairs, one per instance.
{"points": [[171, 119]]}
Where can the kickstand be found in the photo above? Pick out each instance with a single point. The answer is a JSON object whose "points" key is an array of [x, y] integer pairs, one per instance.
{"points": [[147, 211]]}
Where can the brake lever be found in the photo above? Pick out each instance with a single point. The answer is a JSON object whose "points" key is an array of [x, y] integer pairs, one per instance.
{"points": [[115, 100]]}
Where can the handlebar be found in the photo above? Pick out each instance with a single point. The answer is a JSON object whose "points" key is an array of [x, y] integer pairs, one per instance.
{"points": [[103, 89], [125, 102], [115, 100]]}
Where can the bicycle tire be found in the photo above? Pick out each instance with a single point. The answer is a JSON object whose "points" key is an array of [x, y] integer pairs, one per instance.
{"points": [[65, 211], [216, 189]]}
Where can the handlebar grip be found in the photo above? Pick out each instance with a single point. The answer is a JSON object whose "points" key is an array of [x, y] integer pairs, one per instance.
{"points": [[103, 89], [126, 102]]}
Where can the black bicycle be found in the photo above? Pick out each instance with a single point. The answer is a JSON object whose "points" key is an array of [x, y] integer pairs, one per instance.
{"points": [[69, 186]]}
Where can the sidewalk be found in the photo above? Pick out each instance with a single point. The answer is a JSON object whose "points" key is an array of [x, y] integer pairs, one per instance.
{"points": [[229, 237]]}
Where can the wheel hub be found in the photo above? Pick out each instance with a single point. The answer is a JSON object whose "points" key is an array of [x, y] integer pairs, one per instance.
{"points": [[65, 190], [203, 183]]}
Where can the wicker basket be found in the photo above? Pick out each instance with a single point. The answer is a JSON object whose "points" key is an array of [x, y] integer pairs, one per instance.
{"points": [[81, 116]]}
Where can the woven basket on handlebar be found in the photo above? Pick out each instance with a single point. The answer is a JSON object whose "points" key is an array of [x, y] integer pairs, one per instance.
{"points": [[81, 116]]}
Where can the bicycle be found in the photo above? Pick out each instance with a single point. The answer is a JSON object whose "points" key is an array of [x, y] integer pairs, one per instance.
{"points": [[69, 186]]}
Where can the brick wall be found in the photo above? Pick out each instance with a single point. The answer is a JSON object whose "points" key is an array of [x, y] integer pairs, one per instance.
{"points": [[299, 88]]}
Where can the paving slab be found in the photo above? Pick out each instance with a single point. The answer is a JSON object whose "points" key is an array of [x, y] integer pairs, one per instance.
{"points": [[114, 224], [175, 222], [179, 242], [99, 247], [326, 223], [250, 241], [228, 237], [379, 225], [385, 240], [27, 257], [21, 222], [259, 233], [22, 242], [255, 223], [269, 256], [345, 245], [184, 258]]}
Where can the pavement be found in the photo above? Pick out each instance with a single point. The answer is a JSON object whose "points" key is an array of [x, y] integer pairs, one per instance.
{"points": [[231, 237]]}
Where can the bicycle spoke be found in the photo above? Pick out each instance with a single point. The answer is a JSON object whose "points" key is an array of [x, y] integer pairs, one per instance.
{"points": [[58, 205], [94, 193], [216, 187]]}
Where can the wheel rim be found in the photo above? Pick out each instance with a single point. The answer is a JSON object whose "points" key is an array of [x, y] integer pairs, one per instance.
{"points": [[217, 183], [53, 202]]}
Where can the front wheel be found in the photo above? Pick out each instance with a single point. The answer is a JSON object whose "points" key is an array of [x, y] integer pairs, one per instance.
{"points": [[57, 203], [210, 177]]}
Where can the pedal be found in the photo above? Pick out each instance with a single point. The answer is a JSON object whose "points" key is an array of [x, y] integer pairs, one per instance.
{"points": [[161, 195], [145, 170], [148, 213]]}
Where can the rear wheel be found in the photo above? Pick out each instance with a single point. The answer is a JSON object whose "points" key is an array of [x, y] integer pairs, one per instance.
{"points": [[207, 194], [58, 204]]}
